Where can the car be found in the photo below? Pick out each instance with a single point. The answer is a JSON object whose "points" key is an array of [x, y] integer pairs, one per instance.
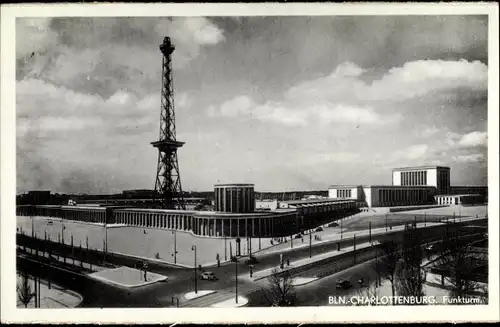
{"points": [[430, 248], [319, 229], [251, 261], [208, 275], [50, 222], [298, 236], [343, 284], [333, 225]]}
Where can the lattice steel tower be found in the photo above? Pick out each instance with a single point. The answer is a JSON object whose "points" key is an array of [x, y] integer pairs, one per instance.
{"points": [[168, 179]]}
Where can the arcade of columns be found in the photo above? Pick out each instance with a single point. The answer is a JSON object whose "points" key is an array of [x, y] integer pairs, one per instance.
{"points": [[204, 226]]}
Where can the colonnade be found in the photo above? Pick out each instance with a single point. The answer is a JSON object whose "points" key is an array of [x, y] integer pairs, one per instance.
{"points": [[395, 197], [179, 221], [326, 207], [235, 226], [91, 214], [448, 200]]}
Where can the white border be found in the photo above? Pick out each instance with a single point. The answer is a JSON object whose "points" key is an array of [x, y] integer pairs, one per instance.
{"points": [[9, 313]]}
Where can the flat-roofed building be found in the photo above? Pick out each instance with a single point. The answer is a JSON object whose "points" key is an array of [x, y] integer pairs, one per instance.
{"points": [[235, 198], [384, 195], [437, 176]]}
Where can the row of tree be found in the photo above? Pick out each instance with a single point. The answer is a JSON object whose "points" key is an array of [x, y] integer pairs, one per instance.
{"points": [[400, 263]]}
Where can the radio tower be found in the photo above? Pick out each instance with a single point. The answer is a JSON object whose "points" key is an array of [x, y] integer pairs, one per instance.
{"points": [[168, 179]]}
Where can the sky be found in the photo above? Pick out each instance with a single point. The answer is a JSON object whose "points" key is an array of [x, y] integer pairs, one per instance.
{"points": [[286, 103]]}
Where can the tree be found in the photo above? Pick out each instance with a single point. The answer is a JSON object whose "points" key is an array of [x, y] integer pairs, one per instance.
{"points": [[281, 292], [459, 260], [24, 291], [385, 265], [365, 295], [410, 277]]}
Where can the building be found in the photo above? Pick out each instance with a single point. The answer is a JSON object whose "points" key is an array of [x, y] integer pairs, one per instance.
{"points": [[423, 185], [234, 198], [384, 195], [459, 199], [436, 176]]}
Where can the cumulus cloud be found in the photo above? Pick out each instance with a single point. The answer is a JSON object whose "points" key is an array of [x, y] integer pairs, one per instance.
{"points": [[422, 77], [476, 157], [288, 114], [474, 139], [417, 151], [100, 55]]}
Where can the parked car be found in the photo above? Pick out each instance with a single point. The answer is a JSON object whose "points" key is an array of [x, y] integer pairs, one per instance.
{"points": [[333, 225], [50, 222], [208, 275], [251, 261], [298, 236], [430, 248], [343, 284], [319, 229]]}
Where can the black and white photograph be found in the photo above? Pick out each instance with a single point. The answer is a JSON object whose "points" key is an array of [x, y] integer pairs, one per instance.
{"points": [[243, 160]]}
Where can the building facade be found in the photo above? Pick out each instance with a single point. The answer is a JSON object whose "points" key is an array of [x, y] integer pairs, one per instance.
{"points": [[459, 199], [234, 198], [384, 195], [437, 176]]}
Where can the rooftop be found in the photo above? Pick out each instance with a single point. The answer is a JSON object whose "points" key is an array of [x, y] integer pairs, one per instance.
{"points": [[390, 186], [420, 167], [314, 201], [234, 184]]}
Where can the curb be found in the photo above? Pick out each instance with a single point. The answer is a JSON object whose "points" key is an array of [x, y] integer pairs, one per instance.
{"points": [[199, 296]]}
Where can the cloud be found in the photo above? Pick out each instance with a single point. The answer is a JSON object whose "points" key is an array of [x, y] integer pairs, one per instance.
{"points": [[348, 69], [351, 114], [337, 157], [476, 157], [33, 35], [427, 131], [100, 55], [237, 106], [474, 139], [417, 151], [422, 77]]}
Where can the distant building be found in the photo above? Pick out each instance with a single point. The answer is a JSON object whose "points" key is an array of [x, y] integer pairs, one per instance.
{"points": [[411, 186], [436, 176], [235, 198]]}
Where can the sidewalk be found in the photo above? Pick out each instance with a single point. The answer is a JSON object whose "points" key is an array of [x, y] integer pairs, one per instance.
{"points": [[302, 262], [55, 297], [69, 261]]}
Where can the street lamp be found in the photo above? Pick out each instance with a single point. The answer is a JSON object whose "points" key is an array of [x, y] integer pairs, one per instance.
{"points": [[310, 245], [236, 267], [193, 248], [341, 229], [174, 232]]}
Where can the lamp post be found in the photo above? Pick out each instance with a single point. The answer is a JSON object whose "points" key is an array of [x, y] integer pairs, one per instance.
{"points": [[370, 227], [341, 229], [386, 222], [354, 241], [310, 245], [193, 248], [175, 245], [236, 267]]}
